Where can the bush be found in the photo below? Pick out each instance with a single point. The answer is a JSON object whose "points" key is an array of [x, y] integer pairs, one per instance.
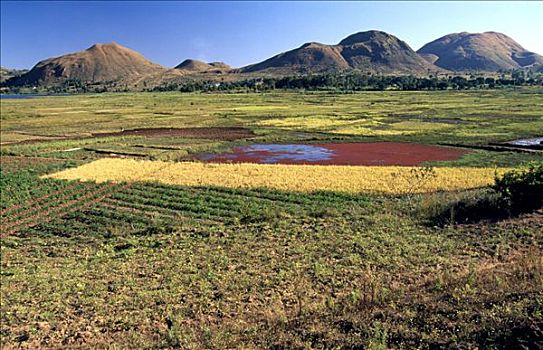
{"points": [[516, 192], [522, 190], [465, 208]]}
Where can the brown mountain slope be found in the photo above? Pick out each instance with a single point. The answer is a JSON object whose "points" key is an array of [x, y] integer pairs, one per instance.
{"points": [[190, 65], [310, 57], [373, 51], [99, 63], [489, 51], [379, 51]]}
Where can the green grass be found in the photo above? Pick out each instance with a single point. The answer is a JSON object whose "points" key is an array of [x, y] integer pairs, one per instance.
{"points": [[471, 117], [147, 265], [165, 266]]}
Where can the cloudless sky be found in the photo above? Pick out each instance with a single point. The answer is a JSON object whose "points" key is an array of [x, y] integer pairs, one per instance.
{"points": [[240, 33]]}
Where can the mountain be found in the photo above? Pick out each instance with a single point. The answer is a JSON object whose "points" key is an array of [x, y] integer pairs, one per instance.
{"points": [[373, 51], [430, 58], [308, 57], [194, 66], [117, 67], [99, 63], [489, 51]]}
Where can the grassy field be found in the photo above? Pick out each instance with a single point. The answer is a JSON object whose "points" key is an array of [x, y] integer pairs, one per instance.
{"points": [[153, 265], [470, 117]]}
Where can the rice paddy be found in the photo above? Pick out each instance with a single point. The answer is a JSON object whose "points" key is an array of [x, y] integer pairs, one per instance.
{"points": [[303, 178]]}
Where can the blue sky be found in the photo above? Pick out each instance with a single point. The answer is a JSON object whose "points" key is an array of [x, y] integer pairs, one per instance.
{"points": [[240, 33]]}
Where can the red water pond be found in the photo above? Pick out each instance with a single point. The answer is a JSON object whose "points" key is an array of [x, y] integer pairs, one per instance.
{"points": [[374, 153]]}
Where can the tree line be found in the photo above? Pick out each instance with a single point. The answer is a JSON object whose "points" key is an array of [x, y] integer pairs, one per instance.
{"points": [[346, 82], [357, 82]]}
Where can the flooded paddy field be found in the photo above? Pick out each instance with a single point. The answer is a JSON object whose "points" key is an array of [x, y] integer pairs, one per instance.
{"points": [[534, 143], [370, 153]]}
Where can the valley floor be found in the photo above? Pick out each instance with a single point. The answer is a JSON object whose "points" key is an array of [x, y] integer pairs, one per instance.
{"points": [[155, 265]]}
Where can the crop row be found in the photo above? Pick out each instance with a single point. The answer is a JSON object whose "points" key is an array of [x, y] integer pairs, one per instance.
{"points": [[224, 204], [78, 206], [60, 203], [193, 209], [91, 221], [216, 199], [175, 203], [295, 199], [46, 199], [140, 210]]}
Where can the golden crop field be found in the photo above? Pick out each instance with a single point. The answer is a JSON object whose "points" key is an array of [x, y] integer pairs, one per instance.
{"points": [[302, 178]]}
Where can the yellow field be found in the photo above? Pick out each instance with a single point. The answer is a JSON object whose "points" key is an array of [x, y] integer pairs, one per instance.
{"points": [[375, 126], [304, 178]]}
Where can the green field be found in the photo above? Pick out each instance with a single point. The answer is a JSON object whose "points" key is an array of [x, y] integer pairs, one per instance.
{"points": [[147, 265], [470, 117]]}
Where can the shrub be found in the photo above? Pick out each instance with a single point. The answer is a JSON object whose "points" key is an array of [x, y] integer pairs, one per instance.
{"points": [[522, 189], [474, 206], [515, 192]]}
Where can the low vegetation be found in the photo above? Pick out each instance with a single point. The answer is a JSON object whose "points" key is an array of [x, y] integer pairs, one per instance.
{"points": [[424, 117], [515, 192], [155, 265], [522, 190], [190, 261]]}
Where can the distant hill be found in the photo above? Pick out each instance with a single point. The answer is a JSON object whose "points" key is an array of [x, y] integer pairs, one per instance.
{"points": [[379, 51], [99, 63], [112, 67], [192, 66], [489, 51], [7, 73], [308, 57], [373, 51]]}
